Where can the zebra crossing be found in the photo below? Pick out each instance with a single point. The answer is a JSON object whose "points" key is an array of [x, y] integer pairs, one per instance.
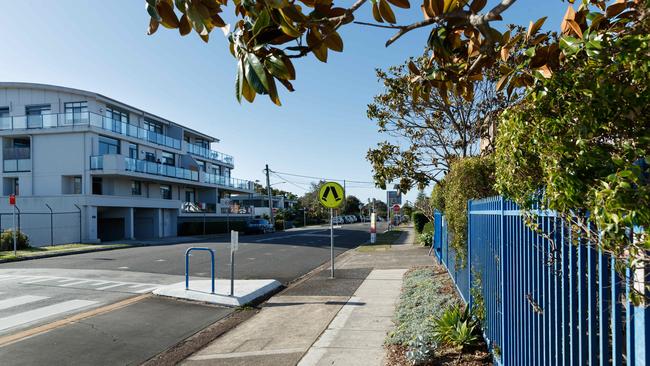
{"points": [[80, 283], [30, 300]]}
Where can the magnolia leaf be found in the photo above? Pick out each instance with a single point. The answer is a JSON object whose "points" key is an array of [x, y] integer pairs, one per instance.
{"points": [[386, 12], [248, 92], [534, 27], [614, 9], [569, 15], [290, 69], [239, 80], [569, 44], [263, 21], [153, 13], [404, 4], [477, 5], [502, 82], [277, 67], [184, 27], [167, 15], [413, 68], [575, 27], [375, 12], [153, 26], [256, 75], [273, 92], [334, 42]]}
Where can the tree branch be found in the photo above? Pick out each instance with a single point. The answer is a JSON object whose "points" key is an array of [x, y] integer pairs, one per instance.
{"points": [[457, 14], [379, 25]]}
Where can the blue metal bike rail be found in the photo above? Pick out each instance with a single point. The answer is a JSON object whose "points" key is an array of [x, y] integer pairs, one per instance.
{"points": [[187, 265]]}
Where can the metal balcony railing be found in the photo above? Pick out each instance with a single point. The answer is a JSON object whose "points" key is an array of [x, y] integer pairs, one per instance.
{"points": [[149, 167], [210, 154], [14, 153], [87, 119], [228, 182]]}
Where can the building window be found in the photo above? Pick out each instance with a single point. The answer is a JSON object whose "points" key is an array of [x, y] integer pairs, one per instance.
{"points": [[76, 185], [75, 112], [150, 156], [168, 158], [201, 142], [108, 146], [133, 151], [201, 165], [35, 115], [97, 185], [153, 126], [117, 115], [136, 188], [4, 112], [16, 186], [166, 191]]}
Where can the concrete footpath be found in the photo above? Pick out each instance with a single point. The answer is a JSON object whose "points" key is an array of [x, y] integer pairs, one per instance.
{"points": [[323, 321]]}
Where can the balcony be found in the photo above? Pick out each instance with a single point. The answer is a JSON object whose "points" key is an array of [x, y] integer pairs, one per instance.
{"points": [[16, 159], [209, 154], [119, 162], [240, 184], [46, 121], [122, 163]]}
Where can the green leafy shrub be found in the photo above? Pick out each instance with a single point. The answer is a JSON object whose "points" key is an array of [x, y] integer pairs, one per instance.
{"points": [[279, 225], [419, 220], [457, 327], [426, 236], [7, 240], [468, 178], [581, 138], [438, 196]]}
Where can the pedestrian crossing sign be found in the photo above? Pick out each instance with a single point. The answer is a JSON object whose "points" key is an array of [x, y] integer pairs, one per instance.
{"points": [[331, 195]]}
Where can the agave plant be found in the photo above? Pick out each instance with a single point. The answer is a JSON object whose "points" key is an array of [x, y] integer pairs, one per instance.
{"points": [[457, 327]]}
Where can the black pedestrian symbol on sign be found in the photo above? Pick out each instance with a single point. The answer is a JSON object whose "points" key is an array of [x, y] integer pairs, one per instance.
{"points": [[332, 190]]}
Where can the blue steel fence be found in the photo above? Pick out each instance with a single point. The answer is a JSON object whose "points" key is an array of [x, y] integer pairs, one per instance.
{"points": [[547, 302]]}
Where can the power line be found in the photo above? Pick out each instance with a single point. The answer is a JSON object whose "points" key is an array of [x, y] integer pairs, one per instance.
{"points": [[323, 178], [289, 181]]}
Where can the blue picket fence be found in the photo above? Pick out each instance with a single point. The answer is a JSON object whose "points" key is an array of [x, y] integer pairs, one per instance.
{"points": [[547, 302]]}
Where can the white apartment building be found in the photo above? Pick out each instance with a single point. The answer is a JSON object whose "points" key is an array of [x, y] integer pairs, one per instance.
{"points": [[128, 174]]}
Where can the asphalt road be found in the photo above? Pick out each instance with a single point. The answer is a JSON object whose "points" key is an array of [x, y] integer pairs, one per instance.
{"points": [[36, 293]]}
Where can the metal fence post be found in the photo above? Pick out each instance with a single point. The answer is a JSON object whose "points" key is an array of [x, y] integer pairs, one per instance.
{"points": [[469, 254], [51, 224], [502, 264]]}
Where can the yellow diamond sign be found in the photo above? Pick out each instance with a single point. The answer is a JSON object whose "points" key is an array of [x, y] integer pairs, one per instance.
{"points": [[331, 195]]}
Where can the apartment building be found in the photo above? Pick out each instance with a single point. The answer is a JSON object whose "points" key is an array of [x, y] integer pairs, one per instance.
{"points": [[128, 173]]}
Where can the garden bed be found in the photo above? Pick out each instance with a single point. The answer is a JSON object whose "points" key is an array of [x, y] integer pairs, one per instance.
{"points": [[426, 293]]}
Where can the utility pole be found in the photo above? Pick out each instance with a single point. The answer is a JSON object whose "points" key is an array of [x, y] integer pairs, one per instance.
{"points": [[268, 191]]}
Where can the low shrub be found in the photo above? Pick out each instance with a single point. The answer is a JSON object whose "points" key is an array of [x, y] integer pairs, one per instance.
{"points": [[456, 327], [425, 238], [419, 220], [7, 240], [422, 296], [279, 225]]}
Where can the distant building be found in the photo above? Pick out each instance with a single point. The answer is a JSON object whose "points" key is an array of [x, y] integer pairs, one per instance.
{"points": [[129, 173], [258, 204]]}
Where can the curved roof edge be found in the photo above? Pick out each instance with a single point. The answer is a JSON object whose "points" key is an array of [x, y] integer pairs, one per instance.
{"points": [[26, 85]]}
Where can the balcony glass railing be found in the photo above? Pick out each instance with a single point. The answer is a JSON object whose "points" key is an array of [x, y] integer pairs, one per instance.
{"points": [[149, 167], [87, 119], [209, 154], [97, 162], [10, 153], [228, 182]]}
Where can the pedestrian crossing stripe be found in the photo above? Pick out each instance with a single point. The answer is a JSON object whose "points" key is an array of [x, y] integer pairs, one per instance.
{"points": [[20, 300], [89, 284], [30, 316]]}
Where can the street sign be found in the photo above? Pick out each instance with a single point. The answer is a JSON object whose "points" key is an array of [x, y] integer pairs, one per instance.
{"points": [[394, 197], [331, 195], [12, 199], [395, 208]]}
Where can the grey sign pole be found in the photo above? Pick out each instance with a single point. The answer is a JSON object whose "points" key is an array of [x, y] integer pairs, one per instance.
{"points": [[234, 245], [14, 231], [332, 242]]}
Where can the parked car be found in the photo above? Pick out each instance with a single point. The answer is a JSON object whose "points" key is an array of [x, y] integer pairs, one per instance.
{"points": [[337, 220], [258, 226]]}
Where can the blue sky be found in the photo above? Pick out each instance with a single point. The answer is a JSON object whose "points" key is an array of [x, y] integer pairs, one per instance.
{"points": [[321, 129]]}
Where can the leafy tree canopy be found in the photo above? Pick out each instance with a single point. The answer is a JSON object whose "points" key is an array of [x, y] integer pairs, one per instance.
{"points": [[462, 42]]}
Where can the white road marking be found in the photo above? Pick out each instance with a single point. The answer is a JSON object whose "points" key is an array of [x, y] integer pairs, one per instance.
{"points": [[67, 280], [161, 260], [20, 300], [99, 283], [111, 286], [38, 280], [122, 267], [74, 283], [138, 285], [43, 312]]}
